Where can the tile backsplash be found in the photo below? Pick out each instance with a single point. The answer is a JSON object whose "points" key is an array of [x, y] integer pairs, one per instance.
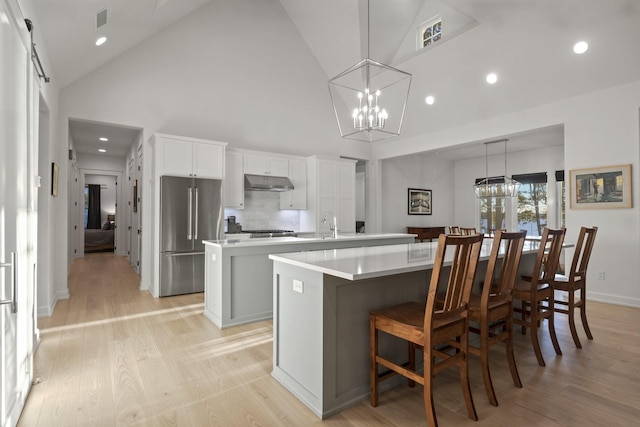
{"points": [[262, 211]]}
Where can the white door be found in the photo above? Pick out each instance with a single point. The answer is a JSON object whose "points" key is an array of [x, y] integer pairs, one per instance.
{"points": [[15, 75], [138, 215]]}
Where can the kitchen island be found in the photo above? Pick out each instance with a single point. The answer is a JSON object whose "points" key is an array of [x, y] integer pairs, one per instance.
{"points": [[322, 302], [238, 283]]}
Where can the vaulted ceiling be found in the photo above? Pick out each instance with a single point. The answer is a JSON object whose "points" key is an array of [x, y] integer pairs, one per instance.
{"points": [[528, 43]]}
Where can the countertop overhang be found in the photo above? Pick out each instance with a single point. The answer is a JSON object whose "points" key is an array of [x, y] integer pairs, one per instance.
{"points": [[377, 261], [272, 241]]}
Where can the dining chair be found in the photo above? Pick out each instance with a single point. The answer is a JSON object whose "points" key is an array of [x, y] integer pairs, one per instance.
{"points": [[454, 230], [440, 328], [468, 231], [536, 291], [492, 309], [576, 281], [492, 231]]}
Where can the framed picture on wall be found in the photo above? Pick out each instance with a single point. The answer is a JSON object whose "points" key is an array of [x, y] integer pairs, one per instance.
{"points": [[135, 195], [54, 179], [419, 201], [607, 187]]}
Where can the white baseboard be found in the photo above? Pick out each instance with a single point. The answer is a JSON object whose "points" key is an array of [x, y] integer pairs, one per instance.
{"points": [[613, 299]]}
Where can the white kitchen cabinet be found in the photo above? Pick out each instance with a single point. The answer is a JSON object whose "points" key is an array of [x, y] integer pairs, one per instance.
{"points": [[296, 198], [262, 164], [234, 180], [330, 188], [182, 156]]}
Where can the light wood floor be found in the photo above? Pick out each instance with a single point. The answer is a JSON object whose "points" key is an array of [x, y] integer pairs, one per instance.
{"points": [[112, 355]]}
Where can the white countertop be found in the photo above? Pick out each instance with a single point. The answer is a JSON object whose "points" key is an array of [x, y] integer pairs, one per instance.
{"points": [[375, 261], [267, 241]]}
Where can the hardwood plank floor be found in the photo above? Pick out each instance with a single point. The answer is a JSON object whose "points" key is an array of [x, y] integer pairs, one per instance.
{"points": [[112, 355]]}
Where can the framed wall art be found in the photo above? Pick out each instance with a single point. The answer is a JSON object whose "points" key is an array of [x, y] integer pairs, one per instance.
{"points": [[420, 202], [607, 187], [54, 179], [135, 195]]}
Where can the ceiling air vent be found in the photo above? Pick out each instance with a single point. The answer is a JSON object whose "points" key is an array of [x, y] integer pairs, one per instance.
{"points": [[101, 18]]}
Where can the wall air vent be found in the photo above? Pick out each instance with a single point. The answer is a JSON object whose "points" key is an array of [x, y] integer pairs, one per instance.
{"points": [[101, 18]]}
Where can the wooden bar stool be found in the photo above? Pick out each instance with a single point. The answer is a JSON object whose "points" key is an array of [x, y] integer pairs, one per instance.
{"points": [[468, 231], [492, 310], [442, 321], [576, 281], [454, 230], [536, 291]]}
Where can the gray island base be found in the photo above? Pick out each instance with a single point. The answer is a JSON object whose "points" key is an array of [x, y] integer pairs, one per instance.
{"points": [[238, 285], [322, 302]]}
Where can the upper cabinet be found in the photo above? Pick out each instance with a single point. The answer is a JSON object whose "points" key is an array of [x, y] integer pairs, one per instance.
{"points": [[296, 198], [330, 188], [234, 181], [264, 164], [182, 156], [240, 162]]}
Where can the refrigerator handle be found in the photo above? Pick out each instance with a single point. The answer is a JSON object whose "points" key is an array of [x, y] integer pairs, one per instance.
{"points": [[190, 214], [195, 229]]}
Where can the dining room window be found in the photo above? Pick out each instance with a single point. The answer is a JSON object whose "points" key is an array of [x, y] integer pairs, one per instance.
{"points": [[561, 191], [493, 214], [531, 208], [528, 211]]}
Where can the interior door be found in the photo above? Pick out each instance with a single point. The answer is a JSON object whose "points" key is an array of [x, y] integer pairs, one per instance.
{"points": [[15, 75]]}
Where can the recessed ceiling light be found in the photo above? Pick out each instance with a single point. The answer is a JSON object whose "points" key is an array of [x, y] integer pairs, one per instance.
{"points": [[492, 78], [102, 150], [581, 47], [430, 100], [103, 139], [101, 41]]}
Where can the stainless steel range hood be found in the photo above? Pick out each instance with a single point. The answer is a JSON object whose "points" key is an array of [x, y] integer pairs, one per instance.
{"points": [[267, 183]]}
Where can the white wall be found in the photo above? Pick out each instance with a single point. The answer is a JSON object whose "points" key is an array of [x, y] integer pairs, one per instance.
{"points": [[601, 128], [422, 172], [98, 162]]}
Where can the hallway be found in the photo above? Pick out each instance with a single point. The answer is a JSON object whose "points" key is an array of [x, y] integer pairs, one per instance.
{"points": [[112, 355]]}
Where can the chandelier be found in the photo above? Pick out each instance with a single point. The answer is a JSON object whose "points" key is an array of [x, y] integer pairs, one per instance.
{"points": [[498, 186], [369, 98]]}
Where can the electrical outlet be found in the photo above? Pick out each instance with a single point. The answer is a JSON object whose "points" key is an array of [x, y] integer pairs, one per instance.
{"points": [[601, 275], [298, 286]]}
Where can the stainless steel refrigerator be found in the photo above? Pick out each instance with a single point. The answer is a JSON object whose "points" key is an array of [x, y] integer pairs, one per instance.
{"points": [[190, 212]]}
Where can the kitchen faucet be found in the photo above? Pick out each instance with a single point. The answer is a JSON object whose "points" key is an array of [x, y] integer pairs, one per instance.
{"points": [[334, 228]]}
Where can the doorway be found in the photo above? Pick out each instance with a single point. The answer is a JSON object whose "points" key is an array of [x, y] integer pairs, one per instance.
{"points": [[102, 153]]}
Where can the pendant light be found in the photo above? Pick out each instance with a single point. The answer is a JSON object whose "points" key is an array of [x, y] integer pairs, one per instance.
{"points": [[369, 98], [498, 186]]}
